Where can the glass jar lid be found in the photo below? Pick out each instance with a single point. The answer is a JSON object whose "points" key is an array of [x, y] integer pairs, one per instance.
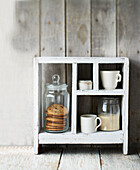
{"points": [[110, 100], [56, 84]]}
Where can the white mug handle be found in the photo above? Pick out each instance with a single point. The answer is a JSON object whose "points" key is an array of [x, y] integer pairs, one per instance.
{"points": [[98, 118], [119, 77]]}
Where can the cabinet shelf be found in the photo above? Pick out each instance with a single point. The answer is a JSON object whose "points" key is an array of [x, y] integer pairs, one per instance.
{"points": [[99, 137], [73, 136], [100, 92]]}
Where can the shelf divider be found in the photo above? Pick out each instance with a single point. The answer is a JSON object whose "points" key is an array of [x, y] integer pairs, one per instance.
{"points": [[125, 106], [96, 76], [74, 99]]}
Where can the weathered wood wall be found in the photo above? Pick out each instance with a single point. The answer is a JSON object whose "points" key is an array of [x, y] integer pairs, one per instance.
{"points": [[128, 44], [61, 28]]}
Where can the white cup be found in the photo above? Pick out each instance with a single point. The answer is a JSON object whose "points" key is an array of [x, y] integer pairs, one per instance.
{"points": [[110, 79], [89, 123]]}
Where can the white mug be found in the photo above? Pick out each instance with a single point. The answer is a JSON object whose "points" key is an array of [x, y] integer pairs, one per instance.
{"points": [[110, 79], [89, 123]]}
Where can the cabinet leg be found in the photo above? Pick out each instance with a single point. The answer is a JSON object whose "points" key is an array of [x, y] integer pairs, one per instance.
{"points": [[36, 148], [125, 148]]}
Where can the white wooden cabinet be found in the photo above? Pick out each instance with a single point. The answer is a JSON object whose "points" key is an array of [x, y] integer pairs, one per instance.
{"points": [[73, 136]]}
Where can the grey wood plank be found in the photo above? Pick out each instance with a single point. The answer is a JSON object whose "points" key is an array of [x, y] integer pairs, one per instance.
{"points": [[78, 40], [135, 160], [52, 28], [80, 159], [104, 28], [128, 44], [114, 159], [19, 45], [22, 157], [52, 38], [78, 27]]}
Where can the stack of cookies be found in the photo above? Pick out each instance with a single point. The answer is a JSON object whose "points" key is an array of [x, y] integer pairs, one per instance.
{"points": [[56, 117]]}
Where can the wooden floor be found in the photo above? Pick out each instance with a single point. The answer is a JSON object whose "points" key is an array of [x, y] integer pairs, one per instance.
{"points": [[68, 158]]}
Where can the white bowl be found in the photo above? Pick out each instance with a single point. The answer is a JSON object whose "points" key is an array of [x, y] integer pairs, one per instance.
{"points": [[85, 84]]}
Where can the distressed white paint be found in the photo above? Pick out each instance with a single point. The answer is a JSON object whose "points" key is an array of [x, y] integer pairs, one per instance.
{"points": [[73, 137], [74, 98], [36, 106], [100, 92], [83, 60], [125, 106], [96, 76], [81, 138]]}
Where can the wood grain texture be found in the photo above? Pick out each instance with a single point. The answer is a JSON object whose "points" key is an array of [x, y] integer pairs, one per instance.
{"points": [[78, 27], [78, 40], [80, 159], [104, 28], [19, 44], [23, 158], [72, 158], [114, 159], [52, 28], [52, 38], [128, 44]]}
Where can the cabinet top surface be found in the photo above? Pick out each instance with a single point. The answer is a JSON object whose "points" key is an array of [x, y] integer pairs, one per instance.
{"points": [[81, 59]]}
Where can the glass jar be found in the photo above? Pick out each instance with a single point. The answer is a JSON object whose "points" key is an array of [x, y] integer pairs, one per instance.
{"points": [[56, 104], [109, 112]]}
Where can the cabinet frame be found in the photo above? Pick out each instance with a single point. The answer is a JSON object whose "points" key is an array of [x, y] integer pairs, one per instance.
{"points": [[72, 136]]}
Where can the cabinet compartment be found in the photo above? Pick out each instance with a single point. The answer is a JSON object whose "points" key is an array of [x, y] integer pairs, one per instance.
{"points": [[85, 72], [91, 107], [48, 79], [86, 105], [112, 67]]}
